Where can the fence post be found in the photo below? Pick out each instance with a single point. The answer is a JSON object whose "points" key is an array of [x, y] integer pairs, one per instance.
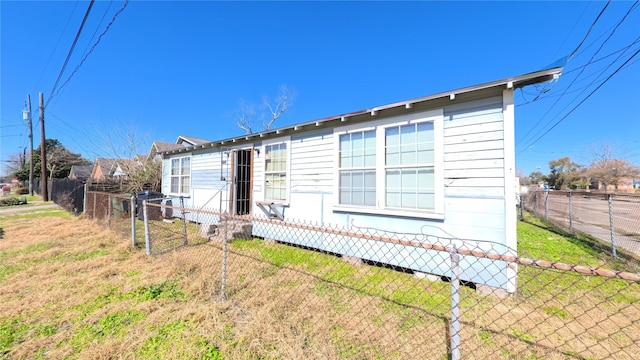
{"points": [[109, 209], [84, 198], [94, 205], [455, 304], [613, 231], [546, 205], [184, 220], [521, 207], [223, 286], [535, 209], [132, 210], [570, 214], [147, 234]]}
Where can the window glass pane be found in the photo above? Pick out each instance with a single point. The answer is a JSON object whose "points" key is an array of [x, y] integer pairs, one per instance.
{"points": [[186, 180], [175, 181], [425, 157], [369, 148], [357, 146], [408, 135], [425, 130], [426, 178], [370, 197], [345, 197], [370, 180], [426, 201], [345, 151], [357, 180], [393, 179], [408, 181], [275, 186], [175, 166], [408, 200], [408, 155], [186, 164], [393, 199], [392, 136]]}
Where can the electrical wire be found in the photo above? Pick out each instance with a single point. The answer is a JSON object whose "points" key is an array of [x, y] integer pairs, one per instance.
{"points": [[44, 69], [588, 31], [92, 48], [582, 69], [73, 45], [582, 101]]}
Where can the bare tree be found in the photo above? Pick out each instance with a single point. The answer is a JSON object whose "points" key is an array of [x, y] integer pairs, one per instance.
{"points": [[268, 112], [608, 167], [126, 146], [15, 163], [246, 116]]}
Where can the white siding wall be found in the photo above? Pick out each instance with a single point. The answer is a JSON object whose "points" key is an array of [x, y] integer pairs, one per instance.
{"points": [[312, 162]]}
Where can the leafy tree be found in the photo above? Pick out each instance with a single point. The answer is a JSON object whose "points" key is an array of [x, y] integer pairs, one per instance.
{"points": [[536, 177], [563, 173], [59, 161]]}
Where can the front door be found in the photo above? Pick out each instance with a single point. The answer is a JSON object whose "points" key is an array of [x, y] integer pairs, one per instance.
{"points": [[242, 181]]}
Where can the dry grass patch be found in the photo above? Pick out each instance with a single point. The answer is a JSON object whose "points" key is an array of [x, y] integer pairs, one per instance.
{"points": [[69, 289]]}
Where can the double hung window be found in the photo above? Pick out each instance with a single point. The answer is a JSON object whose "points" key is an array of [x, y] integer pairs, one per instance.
{"points": [[392, 165], [181, 175], [275, 172]]}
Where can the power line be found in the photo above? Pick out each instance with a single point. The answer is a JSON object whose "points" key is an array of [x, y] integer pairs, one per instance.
{"points": [[582, 69], [92, 48], [588, 31], [44, 69], [73, 45], [581, 102]]}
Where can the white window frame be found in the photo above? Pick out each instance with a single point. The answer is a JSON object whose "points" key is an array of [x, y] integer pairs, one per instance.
{"points": [[380, 126], [287, 172], [180, 176]]}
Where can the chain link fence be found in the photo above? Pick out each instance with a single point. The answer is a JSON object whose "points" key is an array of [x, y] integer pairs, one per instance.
{"points": [[300, 290], [613, 220]]}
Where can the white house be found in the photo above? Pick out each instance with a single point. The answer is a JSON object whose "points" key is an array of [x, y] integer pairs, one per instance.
{"points": [[442, 166]]}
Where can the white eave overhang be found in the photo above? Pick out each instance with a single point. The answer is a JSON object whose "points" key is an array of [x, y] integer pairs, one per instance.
{"points": [[408, 105]]}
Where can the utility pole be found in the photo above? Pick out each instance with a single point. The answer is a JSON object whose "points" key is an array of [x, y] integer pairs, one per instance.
{"points": [[26, 115], [43, 153]]}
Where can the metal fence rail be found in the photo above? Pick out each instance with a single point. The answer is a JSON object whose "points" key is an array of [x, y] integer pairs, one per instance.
{"points": [[320, 282], [613, 219]]}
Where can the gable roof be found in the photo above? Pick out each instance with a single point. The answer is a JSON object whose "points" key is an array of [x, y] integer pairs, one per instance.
{"points": [[81, 171], [191, 140], [417, 104], [159, 147], [106, 166]]}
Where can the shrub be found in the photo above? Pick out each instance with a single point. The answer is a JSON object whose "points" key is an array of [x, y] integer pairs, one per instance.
{"points": [[22, 191], [10, 201]]}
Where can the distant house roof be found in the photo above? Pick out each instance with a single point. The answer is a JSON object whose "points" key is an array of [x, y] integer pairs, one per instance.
{"points": [[80, 171], [103, 168], [159, 146], [191, 141]]}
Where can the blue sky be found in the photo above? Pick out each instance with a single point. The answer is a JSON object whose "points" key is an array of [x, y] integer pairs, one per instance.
{"points": [[181, 68]]}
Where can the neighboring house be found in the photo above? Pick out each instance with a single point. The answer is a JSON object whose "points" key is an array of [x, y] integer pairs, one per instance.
{"points": [[80, 172], [103, 169], [442, 166], [159, 147], [122, 167]]}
